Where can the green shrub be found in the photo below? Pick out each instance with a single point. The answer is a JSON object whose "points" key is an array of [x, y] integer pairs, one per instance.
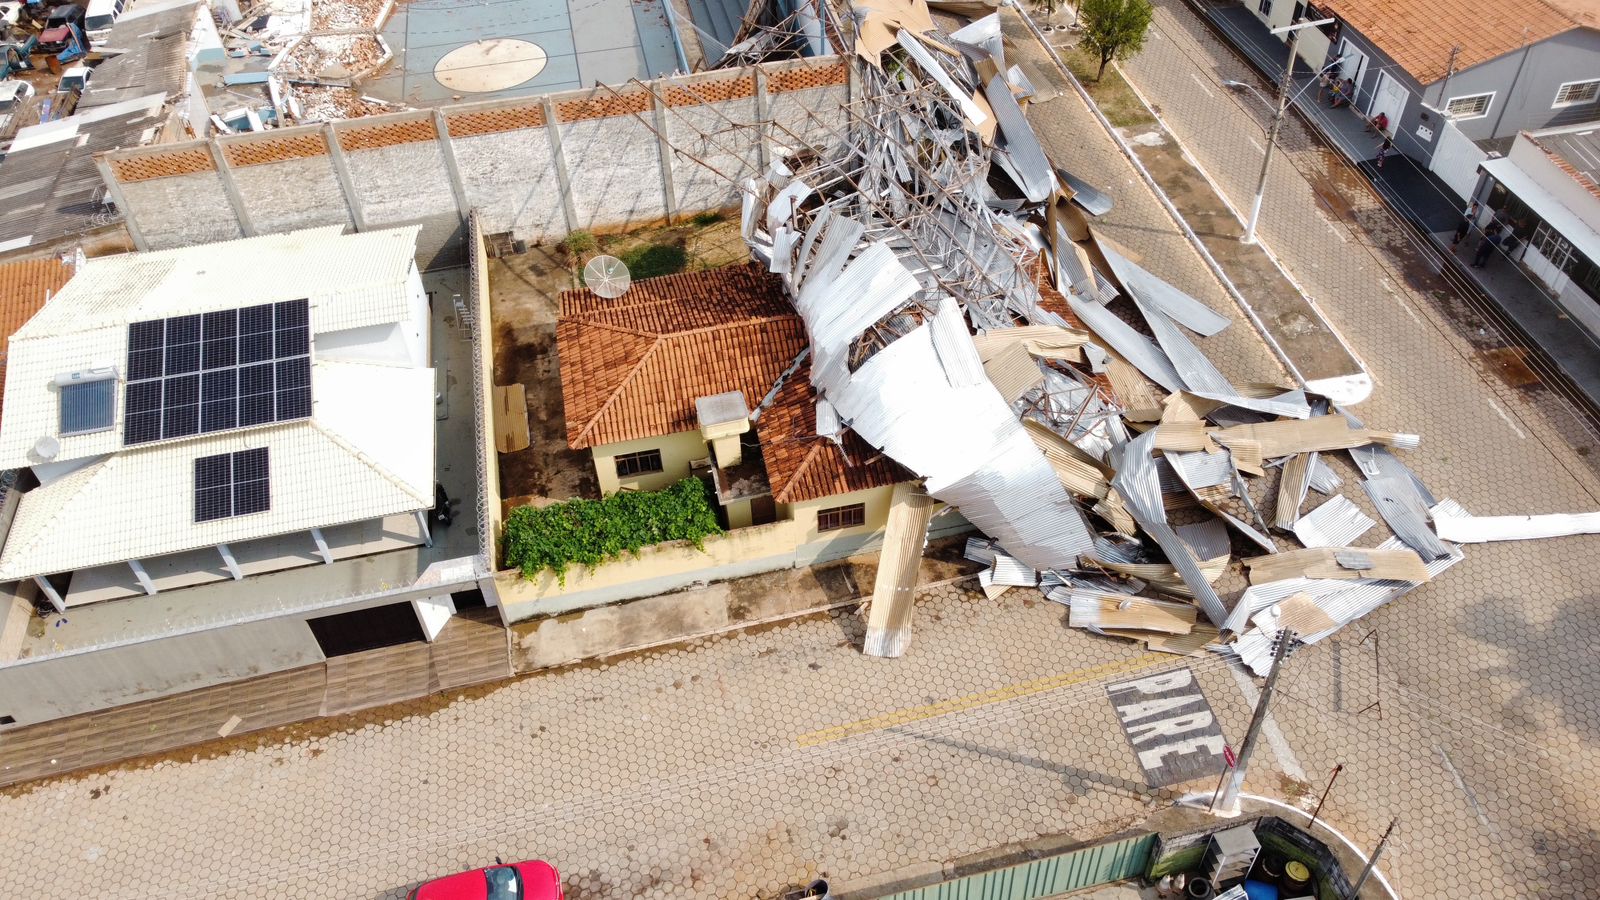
{"points": [[702, 220], [578, 243], [652, 260], [590, 532]]}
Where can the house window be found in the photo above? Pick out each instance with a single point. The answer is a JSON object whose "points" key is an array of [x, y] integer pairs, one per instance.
{"points": [[1553, 247], [1474, 106], [852, 516], [87, 406], [1574, 93], [1264, 7], [645, 462], [231, 484]]}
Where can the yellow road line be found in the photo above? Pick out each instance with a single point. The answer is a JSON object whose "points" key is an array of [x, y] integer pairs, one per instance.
{"points": [[973, 701]]}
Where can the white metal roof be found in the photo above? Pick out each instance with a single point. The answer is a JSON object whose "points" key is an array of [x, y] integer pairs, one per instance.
{"points": [[355, 459], [1558, 215], [351, 281]]}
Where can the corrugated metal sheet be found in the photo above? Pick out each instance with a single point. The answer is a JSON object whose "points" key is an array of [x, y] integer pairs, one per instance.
{"points": [[1184, 309], [1139, 485], [1401, 506], [1456, 524], [1074, 870], [1336, 523], [1013, 572]]}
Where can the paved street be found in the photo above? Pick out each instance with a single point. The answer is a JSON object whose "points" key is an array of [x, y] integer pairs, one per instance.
{"points": [[732, 768], [1489, 742], [738, 766]]}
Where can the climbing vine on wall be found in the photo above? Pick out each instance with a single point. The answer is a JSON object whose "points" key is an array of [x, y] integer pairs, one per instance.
{"points": [[590, 532]]}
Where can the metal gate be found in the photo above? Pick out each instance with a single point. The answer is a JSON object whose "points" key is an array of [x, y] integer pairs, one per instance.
{"points": [[1456, 160], [1070, 871]]}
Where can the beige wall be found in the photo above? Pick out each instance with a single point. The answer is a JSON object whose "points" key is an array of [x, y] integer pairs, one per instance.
{"points": [[677, 451], [658, 569], [791, 541]]}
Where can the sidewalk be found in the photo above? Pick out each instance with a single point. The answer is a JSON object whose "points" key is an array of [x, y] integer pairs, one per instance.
{"points": [[1424, 200]]}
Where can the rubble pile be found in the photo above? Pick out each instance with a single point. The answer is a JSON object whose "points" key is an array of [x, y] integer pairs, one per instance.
{"points": [[966, 318]]}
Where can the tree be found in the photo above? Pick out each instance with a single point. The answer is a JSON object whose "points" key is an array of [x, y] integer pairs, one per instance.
{"points": [[1114, 29]]}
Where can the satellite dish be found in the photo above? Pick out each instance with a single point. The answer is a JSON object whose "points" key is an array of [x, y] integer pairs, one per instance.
{"points": [[607, 276], [46, 447]]}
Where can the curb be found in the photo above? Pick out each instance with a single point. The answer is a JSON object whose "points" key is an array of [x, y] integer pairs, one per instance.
{"points": [[1364, 388]]}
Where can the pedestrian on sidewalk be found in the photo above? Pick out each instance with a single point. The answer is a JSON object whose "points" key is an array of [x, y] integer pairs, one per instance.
{"points": [[1383, 150], [1469, 218], [1491, 240], [1322, 86], [1379, 124], [1336, 93]]}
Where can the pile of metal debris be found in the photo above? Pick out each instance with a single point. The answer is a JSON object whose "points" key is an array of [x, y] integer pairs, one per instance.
{"points": [[966, 319], [315, 54]]}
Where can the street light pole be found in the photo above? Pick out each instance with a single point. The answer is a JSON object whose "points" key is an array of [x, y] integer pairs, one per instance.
{"points": [[1277, 122], [1229, 802]]}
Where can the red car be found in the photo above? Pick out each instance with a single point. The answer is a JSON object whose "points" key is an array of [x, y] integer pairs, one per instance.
{"points": [[532, 880]]}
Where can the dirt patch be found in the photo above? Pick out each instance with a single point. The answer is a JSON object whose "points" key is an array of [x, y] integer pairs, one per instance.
{"points": [[1511, 365], [1111, 93], [524, 292]]}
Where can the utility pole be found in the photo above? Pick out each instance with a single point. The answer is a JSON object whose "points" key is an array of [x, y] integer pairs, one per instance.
{"points": [[1229, 802], [1373, 861], [1277, 122]]}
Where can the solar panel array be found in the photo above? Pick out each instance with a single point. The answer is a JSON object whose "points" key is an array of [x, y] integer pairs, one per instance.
{"points": [[219, 370], [231, 484]]}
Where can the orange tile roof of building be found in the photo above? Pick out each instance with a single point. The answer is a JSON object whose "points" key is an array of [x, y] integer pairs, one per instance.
{"points": [[803, 466], [24, 286], [1418, 34], [633, 367]]}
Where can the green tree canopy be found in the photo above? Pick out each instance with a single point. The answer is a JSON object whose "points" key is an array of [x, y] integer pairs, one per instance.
{"points": [[1114, 29]]}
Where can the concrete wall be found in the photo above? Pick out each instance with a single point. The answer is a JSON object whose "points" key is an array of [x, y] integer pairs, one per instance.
{"points": [[291, 194], [55, 687], [664, 567], [815, 546], [677, 451], [538, 167]]}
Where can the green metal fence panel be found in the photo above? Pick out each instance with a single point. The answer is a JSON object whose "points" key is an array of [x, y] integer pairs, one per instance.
{"points": [[1074, 870]]}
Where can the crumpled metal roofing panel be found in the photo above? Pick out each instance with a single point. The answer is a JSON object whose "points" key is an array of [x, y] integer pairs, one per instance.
{"points": [[1336, 523]]}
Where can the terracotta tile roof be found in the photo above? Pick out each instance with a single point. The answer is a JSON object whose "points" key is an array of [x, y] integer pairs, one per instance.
{"points": [[632, 367], [1418, 34], [1560, 160], [23, 289], [802, 466]]}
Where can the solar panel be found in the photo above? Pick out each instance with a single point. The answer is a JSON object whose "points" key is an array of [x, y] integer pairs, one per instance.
{"points": [[215, 371], [232, 484], [88, 406]]}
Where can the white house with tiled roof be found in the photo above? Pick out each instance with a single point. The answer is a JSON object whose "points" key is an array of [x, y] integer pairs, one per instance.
{"points": [[209, 397], [237, 462]]}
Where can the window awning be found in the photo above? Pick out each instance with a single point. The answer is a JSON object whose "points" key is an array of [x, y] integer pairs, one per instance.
{"points": [[1545, 205]]}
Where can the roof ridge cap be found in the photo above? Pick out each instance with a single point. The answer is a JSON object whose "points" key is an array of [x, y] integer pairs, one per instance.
{"points": [[27, 546], [594, 420], [817, 441], [368, 461]]}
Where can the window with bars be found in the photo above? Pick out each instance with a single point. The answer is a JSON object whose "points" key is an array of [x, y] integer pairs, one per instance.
{"points": [[1574, 93], [232, 484], [837, 517], [645, 462], [1474, 106], [1264, 7]]}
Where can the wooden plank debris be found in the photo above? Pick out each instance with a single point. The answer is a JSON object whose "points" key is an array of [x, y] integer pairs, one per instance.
{"points": [[1121, 611], [511, 418], [1343, 563]]}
